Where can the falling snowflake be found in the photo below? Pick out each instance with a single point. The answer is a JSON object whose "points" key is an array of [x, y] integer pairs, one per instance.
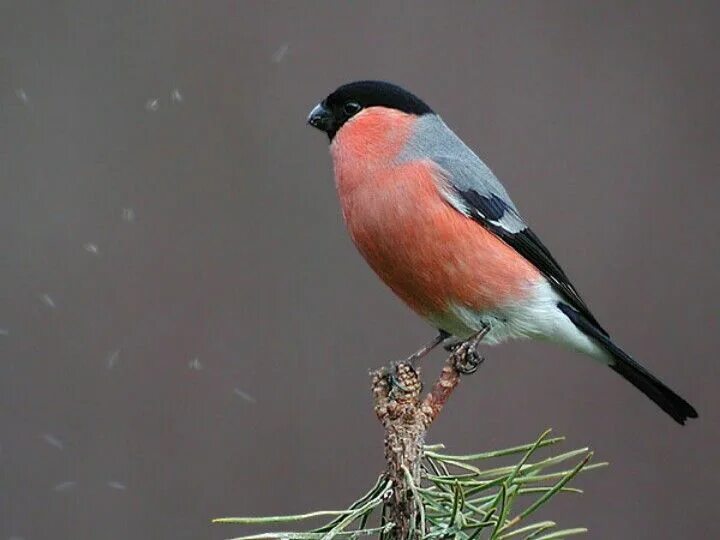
{"points": [[280, 53], [65, 486], [128, 214], [244, 395], [92, 248], [195, 364], [22, 96], [152, 104], [113, 359], [53, 441], [113, 484], [49, 302], [176, 96]]}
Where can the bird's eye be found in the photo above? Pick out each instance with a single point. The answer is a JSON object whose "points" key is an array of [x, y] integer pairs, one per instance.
{"points": [[351, 107]]}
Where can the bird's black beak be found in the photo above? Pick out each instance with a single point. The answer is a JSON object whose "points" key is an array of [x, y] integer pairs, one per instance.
{"points": [[322, 118]]}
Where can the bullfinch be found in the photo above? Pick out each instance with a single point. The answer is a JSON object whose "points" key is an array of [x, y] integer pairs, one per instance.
{"points": [[439, 229]]}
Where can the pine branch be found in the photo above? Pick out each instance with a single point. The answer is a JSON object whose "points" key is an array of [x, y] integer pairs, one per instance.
{"points": [[406, 419], [424, 493]]}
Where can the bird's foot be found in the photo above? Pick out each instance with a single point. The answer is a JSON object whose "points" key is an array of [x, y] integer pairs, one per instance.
{"points": [[466, 358], [403, 381], [400, 369], [397, 375]]}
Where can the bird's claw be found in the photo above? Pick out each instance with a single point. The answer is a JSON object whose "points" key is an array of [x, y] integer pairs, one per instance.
{"points": [[468, 361], [394, 380], [466, 358]]}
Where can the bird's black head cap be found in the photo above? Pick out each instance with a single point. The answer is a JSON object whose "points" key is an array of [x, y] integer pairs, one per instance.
{"points": [[349, 99]]}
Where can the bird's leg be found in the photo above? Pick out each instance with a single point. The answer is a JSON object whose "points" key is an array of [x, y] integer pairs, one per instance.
{"points": [[465, 355], [416, 357], [425, 349]]}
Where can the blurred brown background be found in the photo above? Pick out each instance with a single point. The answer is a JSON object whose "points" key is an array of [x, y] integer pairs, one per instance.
{"points": [[185, 328]]}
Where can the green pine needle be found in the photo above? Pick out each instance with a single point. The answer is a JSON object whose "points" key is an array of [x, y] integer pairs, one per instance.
{"points": [[460, 496]]}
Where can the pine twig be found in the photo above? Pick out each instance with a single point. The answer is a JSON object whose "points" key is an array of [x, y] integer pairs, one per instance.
{"points": [[426, 494], [406, 419]]}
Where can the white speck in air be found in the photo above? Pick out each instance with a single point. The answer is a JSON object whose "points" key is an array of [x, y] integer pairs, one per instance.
{"points": [[244, 395], [4, 332], [113, 359], [195, 364], [152, 104], [280, 54], [176, 96], [92, 248], [48, 301], [65, 486], [114, 484], [22, 96], [128, 214], [52, 440]]}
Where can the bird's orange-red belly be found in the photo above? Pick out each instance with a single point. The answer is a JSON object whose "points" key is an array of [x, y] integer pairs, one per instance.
{"points": [[432, 256]]}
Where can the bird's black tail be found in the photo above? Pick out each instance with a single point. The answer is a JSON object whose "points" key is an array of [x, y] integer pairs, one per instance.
{"points": [[632, 371]]}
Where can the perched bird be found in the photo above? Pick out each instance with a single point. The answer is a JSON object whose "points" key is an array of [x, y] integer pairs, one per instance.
{"points": [[439, 229]]}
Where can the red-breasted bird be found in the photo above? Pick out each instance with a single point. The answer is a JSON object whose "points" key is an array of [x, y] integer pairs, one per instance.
{"points": [[439, 229]]}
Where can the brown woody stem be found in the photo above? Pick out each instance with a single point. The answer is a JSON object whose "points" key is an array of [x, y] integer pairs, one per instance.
{"points": [[406, 418]]}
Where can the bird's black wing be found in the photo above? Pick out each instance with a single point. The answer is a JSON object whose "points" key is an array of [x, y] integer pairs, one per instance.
{"points": [[502, 219]]}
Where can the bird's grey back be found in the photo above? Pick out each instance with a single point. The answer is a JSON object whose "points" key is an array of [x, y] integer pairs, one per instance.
{"points": [[433, 139]]}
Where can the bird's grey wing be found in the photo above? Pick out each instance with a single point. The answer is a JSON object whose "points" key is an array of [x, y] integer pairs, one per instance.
{"points": [[471, 188]]}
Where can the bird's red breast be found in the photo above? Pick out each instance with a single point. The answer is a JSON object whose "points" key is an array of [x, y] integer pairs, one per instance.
{"points": [[427, 252]]}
